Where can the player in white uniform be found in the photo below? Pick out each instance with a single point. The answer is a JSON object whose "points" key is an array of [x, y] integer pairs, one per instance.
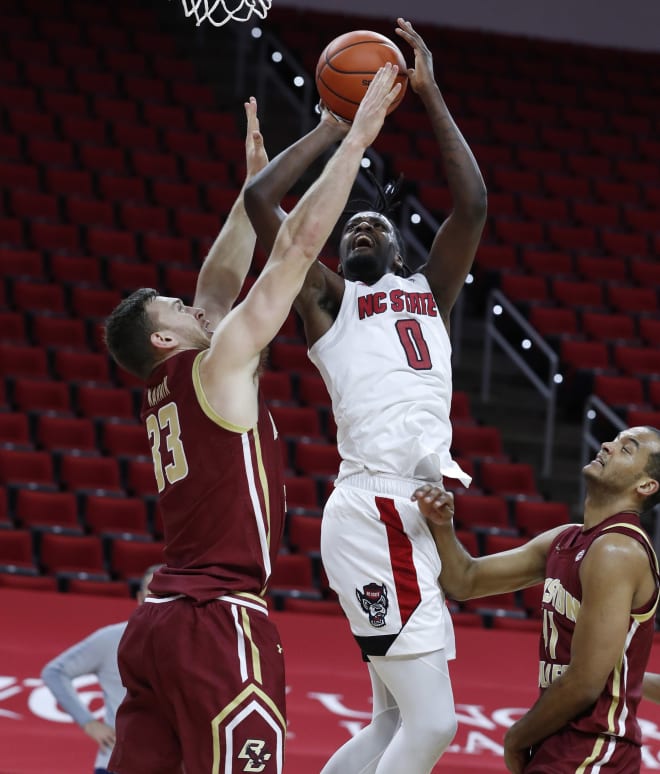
{"points": [[380, 340]]}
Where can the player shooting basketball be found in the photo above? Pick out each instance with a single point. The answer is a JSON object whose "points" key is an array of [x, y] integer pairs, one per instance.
{"points": [[380, 340]]}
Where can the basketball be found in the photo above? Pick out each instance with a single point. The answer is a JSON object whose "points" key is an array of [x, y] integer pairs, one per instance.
{"points": [[347, 65]]}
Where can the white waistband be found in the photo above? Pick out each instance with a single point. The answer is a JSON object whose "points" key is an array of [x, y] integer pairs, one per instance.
{"points": [[382, 483], [224, 598]]}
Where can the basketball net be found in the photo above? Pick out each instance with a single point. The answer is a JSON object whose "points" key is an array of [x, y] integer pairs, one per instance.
{"points": [[218, 13]]}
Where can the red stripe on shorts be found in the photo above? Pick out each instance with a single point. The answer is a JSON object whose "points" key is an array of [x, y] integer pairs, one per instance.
{"points": [[401, 556]]}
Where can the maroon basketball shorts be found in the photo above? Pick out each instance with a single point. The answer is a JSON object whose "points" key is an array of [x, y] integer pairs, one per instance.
{"points": [[204, 688], [570, 751]]}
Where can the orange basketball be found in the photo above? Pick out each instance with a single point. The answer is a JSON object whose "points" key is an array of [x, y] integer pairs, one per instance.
{"points": [[347, 65]]}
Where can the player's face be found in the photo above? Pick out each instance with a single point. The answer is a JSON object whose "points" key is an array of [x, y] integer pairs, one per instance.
{"points": [[187, 323], [620, 464], [368, 247]]}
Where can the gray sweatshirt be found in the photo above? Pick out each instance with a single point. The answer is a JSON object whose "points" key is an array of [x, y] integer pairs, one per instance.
{"points": [[95, 655]]}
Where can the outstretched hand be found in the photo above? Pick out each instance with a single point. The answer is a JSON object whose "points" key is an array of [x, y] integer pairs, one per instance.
{"points": [[338, 125], [435, 503], [256, 157], [373, 108], [421, 74]]}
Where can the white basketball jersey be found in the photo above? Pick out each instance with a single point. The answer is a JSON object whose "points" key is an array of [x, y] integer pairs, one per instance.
{"points": [[386, 362]]}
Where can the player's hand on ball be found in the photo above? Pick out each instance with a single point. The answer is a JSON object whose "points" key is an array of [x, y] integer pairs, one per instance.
{"points": [[338, 125], [382, 92], [422, 74], [435, 503]]}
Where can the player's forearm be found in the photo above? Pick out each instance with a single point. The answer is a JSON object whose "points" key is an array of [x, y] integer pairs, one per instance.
{"points": [[228, 261], [310, 223], [264, 192], [465, 181], [562, 701], [457, 564]]}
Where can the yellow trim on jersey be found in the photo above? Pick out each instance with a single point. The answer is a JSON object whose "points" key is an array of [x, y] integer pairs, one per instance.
{"points": [[640, 532], [595, 754], [642, 617], [204, 404], [263, 480], [233, 705], [256, 658], [252, 597], [616, 694]]}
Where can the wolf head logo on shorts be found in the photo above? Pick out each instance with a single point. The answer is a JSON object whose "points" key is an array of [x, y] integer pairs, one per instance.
{"points": [[373, 600]]}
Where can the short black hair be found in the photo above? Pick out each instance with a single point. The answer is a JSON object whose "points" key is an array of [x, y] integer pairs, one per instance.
{"points": [[128, 330], [387, 199], [653, 470]]}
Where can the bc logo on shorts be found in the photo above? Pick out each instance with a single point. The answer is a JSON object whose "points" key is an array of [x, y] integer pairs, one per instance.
{"points": [[253, 751], [373, 600]]}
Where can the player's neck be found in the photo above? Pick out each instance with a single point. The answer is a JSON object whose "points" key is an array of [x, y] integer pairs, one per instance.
{"points": [[599, 506]]}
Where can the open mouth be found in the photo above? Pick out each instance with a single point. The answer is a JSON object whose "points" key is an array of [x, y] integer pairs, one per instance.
{"points": [[363, 240]]}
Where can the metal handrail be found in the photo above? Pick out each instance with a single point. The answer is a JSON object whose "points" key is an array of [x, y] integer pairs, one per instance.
{"points": [[546, 388]]}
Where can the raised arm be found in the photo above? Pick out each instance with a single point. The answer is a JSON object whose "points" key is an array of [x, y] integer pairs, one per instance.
{"points": [[455, 243], [466, 577], [249, 327], [228, 261], [265, 191]]}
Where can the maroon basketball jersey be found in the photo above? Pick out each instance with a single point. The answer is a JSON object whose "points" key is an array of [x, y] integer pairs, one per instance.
{"points": [[220, 488], [615, 712]]}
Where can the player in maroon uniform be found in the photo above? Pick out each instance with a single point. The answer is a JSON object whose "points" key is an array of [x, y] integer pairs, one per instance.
{"points": [[200, 660], [600, 595]]}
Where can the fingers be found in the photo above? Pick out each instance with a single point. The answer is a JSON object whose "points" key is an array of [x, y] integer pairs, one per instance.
{"points": [[435, 496], [251, 115]]}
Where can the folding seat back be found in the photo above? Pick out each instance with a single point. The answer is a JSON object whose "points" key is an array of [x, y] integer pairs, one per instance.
{"points": [[646, 272], [37, 508], [40, 395], [276, 386], [61, 332], [290, 357], [632, 300], [12, 328], [33, 204], [38, 296], [71, 554], [304, 534], [524, 288], [93, 302], [296, 422], [16, 550], [601, 269], [54, 432], [140, 478], [100, 588], [481, 511], [637, 361], [122, 188], [21, 263], [54, 236], [162, 250], [26, 467], [619, 390], [128, 276], [460, 410], [604, 326], [301, 493], [533, 517], [111, 244], [175, 195], [90, 212], [649, 330], [19, 360], [115, 514], [292, 573], [89, 473], [69, 181], [584, 354], [578, 294], [508, 478], [123, 440], [15, 430], [316, 459], [81, 366], [131, 558], [494, 543], [550, 321], [546, 262], [92, 401], [477, 441]]}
